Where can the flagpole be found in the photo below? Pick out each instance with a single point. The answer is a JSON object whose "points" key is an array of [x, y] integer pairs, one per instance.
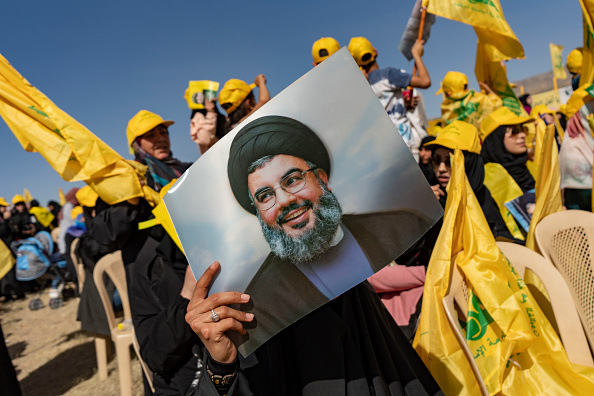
{"points": [[420, 35]]}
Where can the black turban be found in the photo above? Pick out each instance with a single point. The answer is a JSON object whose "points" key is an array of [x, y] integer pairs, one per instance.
{"points": [[271, 135]]}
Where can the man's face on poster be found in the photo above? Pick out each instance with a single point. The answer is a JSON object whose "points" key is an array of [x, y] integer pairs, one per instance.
{"points": [[298, 213]]}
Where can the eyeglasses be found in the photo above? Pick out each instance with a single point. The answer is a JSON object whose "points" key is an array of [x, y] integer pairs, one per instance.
{"points": [[515, 130], [291, 183], [437, 160]]}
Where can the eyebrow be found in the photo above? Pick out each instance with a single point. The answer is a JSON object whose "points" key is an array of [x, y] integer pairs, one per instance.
{"points": [[287, 173]]}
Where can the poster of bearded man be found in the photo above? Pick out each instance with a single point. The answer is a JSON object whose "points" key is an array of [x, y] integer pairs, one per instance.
{"points": [[305, 199]]}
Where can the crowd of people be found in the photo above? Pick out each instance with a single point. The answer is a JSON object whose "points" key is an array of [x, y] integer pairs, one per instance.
{"points": [[353, 344]]}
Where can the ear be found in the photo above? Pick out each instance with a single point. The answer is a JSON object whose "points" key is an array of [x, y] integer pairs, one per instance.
{"points": [[323, 177]]}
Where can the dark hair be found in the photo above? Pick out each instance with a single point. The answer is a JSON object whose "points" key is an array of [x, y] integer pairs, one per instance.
{"points": [[240, 112], [524, 99], [34, 203]]}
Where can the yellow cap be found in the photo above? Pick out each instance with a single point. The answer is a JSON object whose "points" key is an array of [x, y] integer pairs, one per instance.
{"points": [[143, 122], [574, 61], [233, 94], [501, 116], [362, 51], [86, 196], [76, 211], [454, 85], [323, 48], [3, 202], [18, 199], [578, 98], [458, 135], [541, 109]]}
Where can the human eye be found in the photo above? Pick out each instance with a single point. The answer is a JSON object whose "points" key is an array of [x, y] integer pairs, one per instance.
{"points": [[265, 196], [293, 179]]}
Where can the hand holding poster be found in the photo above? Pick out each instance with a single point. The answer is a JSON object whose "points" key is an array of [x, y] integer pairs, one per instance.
{"points": [[303, 200]]}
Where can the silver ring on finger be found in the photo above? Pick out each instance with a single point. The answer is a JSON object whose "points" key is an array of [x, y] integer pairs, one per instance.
{"points": [[214, 316]]}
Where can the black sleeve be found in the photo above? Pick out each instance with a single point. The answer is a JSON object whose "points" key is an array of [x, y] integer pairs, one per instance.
{"points": [[164, 337]]}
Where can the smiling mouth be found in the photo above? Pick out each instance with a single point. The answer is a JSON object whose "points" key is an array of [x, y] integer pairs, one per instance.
{"points": [[295, 214]]}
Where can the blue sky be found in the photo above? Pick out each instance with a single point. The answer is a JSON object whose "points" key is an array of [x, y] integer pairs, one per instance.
{"points": [[103, 61]]}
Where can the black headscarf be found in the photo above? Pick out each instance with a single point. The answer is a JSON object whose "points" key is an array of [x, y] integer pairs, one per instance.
{"points": [[271, 135], [515, 164], [159, 172], [427, 169]]}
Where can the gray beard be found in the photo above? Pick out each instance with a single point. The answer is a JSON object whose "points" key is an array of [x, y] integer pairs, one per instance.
{"points": [[314, 242]]}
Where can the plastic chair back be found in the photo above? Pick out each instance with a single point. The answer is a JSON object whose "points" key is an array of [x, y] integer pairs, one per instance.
{"points": [[78, 265], [567, 240]]}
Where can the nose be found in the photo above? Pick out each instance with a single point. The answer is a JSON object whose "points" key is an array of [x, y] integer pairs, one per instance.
{"points": [[442, 167], [284, 198]]}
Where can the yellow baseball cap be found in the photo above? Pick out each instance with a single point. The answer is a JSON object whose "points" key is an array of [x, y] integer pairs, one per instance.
{"points": [[541, 109], [454, 85], [76, 211], [233, 94], [86, 196], [574, 61], [323, 48], [501, 116], [362, 51], [143, 122], [458, 135], [3, 202], [18, 199]]}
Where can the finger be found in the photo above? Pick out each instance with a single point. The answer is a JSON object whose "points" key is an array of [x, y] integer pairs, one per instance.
{"points": [[221, 300], [203, 284], [225, 312]]}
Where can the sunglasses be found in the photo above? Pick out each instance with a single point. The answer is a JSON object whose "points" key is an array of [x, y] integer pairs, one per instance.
{"points": [[516, 130]]}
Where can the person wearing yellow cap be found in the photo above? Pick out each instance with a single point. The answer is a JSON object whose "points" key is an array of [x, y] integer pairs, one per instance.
{"points": [[460, 103], [148, 137], [238, 100], [391, 87], [574, 66], [504, 142], [323, 48], [464, 136], [20, 219]]}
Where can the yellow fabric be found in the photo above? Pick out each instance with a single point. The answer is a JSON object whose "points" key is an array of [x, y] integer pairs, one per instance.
{"points": [[86, 196], [328, 44], [27, 195], [587, 70], [493, 73], [233, 94], [43, 216], [503, 189], [17, 198], [514, 346], [458, 134], [142, 122], [501, 116], [547, 188], [163, 218], [472, 108], [3, 202], [360, 48], [532, 168], [62, 196], [454, 85], [7, 260], [76, 211], [71, 149], [557, 61], [199, 91], [489, 24], [578, 98], [574, 61]]}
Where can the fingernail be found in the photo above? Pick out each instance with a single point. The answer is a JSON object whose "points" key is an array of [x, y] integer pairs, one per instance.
{"points": [[249, 316], [245, 297], [213, 265]]}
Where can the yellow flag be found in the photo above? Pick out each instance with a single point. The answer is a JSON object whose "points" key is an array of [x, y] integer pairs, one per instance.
{"points": [[514, 346], [472, 108], [27, 195], [43, 216], [557, 60], [494, 74], [62, 196], [503, 188], [548, 184], [587, 73], [7, 260], [486, 16], [70, 148]]}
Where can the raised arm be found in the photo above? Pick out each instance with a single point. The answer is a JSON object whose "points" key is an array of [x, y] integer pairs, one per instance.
{"points": [[422, 79]]}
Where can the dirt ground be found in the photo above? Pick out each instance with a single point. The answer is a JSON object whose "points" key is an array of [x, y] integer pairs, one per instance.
{"points": [[52, 356]]}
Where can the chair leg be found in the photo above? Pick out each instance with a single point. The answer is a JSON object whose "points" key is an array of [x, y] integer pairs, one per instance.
{"points": [[101, 352], [124, 367]]}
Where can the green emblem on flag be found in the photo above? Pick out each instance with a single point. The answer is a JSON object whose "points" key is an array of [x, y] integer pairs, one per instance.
{"points": [[478, 319]]}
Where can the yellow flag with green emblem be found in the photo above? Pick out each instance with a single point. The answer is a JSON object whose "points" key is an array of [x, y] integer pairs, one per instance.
{"points": [[486, 16], [557, 61], [587, 73], [70, 148], [515, 348]]}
